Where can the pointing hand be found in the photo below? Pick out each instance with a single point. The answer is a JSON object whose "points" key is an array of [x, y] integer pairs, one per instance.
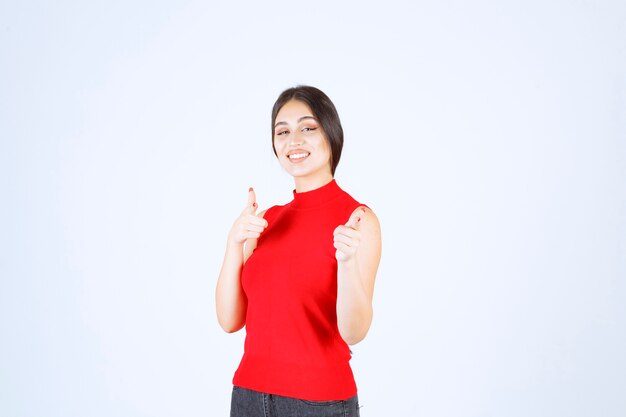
{"points": [[348, 237], [248, 225]]}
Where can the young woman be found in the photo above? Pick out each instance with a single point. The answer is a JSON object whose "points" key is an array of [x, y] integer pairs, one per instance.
{"points": [[300, 276]]}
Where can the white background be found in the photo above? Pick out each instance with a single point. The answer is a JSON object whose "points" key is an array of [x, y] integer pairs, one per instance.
{"points": [[489, 137]]}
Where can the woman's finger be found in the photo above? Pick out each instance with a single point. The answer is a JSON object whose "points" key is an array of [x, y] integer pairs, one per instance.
{"points": [[251, 206], [346, 240], [355, 219], [256, 220], [255, 228], [251, 235], [343, 248], [251, 198], [347, 231]]}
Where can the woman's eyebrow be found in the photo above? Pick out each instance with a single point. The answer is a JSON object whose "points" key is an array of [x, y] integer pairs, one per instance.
{"points": [[299, 120]]}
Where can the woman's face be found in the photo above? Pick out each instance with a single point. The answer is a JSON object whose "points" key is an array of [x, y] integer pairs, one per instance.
{"points": [[300, 141]]}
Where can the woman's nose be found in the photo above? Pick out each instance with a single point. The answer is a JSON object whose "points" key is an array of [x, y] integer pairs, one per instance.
{"points": [[296, 139]]}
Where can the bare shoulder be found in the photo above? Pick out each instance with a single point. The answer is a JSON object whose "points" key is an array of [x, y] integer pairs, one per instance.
{"points": [[370, 247]]}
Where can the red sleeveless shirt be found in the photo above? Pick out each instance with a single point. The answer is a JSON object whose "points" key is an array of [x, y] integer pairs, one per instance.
{"points": [[293, 346]]}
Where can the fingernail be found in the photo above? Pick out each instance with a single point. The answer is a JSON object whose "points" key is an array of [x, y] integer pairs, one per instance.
{"points": [[358, 219], [253, 204], [249, 189]]}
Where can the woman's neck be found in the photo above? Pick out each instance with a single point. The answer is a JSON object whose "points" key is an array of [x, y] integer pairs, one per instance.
{"points": [[304, 184]]}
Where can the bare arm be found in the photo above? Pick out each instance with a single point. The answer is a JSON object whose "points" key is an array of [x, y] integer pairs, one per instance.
{"points": [[358, 245], [230, 300]]}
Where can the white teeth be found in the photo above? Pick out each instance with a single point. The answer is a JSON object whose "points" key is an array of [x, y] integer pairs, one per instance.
{"points": [[298, 155]]}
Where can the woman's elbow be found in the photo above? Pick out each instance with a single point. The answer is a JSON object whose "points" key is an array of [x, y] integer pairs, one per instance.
{"points": [[353, 336], [353, 339], [230, 326], [352, 329]]}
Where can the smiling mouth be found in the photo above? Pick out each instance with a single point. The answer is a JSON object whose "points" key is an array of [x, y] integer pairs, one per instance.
{"points": [[297, 157]]}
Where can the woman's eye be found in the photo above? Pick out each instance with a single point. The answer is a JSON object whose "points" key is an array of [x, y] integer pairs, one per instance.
{"points": [[282, 132], [309, 129]]}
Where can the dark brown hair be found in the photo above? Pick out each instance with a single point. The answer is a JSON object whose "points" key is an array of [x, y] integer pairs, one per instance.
{"points": [[323, 109]]}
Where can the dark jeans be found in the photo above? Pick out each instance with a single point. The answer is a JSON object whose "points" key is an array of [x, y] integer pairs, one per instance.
{"points": [[248, 403]]}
